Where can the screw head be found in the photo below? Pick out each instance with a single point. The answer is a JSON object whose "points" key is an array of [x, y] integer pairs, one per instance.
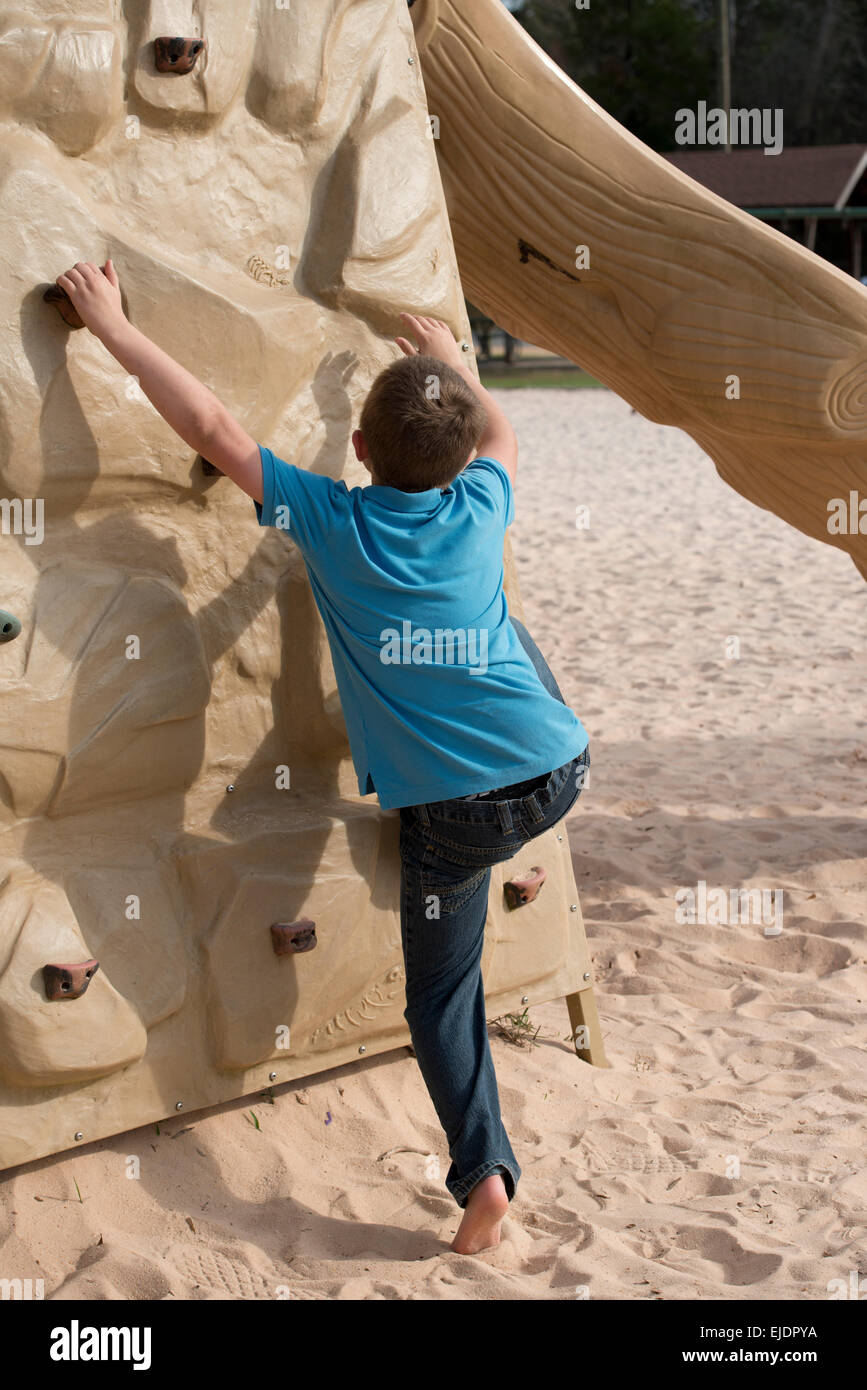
{"points": [[525, 998], [272, 1076], [410, 61], [362, 1048], [586, 975], [231, 787], [559, 837], [466, 347], [79, 1135], [179, 1105]]}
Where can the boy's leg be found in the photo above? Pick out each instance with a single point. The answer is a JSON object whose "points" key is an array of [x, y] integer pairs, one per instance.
{"points": [[443, 911]]}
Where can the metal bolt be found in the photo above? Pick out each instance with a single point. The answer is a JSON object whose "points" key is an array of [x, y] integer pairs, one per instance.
{"points": [[573, 907], [362, 1048], [272, 1076], [559, 837], [525, 998], [410, 61], [466, 347], [79, 1135], [231, 787], [179, 1105], [586, 974]]}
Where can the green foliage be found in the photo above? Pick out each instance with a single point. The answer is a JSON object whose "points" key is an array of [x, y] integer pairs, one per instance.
{"points": [[808, 57], [517, 1028], [639, 59], [644, 59]]}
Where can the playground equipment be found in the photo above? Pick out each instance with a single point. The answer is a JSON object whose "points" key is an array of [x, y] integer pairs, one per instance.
{"points": [[571, 233], [195, 902]]}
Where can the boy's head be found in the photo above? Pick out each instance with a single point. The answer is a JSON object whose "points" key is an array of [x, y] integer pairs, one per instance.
{"points": [[420, 424]]}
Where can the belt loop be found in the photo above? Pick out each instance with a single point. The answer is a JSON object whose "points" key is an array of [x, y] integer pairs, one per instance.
{"points": [[505, 816], [423, 814], [533, 807]]}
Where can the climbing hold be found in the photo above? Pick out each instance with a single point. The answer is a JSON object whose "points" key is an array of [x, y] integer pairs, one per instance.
{"points": [[177, 55], [68, 981], [523, 890], [10, 626], [57, 296], [291, 938]]}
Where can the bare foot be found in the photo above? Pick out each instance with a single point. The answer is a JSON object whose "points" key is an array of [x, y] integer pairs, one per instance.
{"points": [[486, 1206]]}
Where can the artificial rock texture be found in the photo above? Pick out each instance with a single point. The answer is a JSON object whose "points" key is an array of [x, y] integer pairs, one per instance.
{"points": [[269, 215]]}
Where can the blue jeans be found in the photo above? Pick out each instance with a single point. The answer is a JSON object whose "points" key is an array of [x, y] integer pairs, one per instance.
{"points": [[446, 852]]}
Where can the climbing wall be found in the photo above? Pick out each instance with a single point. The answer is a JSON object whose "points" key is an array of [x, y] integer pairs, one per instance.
{"points": [[270, 197]]}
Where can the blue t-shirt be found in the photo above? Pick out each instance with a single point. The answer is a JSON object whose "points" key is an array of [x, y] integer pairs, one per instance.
{"points": [[439, 696]]}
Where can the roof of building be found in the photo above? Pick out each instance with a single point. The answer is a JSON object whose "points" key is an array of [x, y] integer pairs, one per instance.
{"points": [[808, 176]]}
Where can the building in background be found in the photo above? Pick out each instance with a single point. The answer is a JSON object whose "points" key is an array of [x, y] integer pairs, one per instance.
{"points": [[817, 194]]}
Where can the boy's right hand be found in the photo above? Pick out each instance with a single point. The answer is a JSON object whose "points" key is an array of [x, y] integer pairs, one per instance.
{"points": [[433, 337], [95, 295]]}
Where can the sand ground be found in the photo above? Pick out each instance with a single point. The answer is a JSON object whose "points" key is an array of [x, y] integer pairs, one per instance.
{"points": [[721, 1156]]}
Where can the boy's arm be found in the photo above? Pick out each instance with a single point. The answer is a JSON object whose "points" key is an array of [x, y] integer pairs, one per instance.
{"points": [[192, 410], [435, 337]]}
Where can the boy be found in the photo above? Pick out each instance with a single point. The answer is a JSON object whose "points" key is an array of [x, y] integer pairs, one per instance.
{"points": [[399, 568]]}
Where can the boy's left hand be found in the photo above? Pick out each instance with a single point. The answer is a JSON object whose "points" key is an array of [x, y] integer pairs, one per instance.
{"points": [[434, 338], [95, 295]]}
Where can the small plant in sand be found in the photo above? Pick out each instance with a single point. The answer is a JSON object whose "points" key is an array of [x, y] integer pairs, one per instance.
{"points": [[517, 1029]]}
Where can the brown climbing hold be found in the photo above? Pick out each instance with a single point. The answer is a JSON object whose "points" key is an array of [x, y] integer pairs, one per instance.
{"points": [[57, 296], [68, 981], [177, 55], [523, 890], [291, 938]]}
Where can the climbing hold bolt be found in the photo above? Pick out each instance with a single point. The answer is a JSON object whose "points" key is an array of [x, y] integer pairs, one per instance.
{"points": [[291, 938], [57, 296], [272, 1076], [68, 981], [520, 891], [177, 55], [10, 626]]}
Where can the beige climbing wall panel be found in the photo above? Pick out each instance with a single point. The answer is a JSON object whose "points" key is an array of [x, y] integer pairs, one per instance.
{"points": [[269, 213], [683, 292]]}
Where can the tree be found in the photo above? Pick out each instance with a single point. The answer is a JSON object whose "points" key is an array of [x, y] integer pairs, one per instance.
{"points": [[639, 59], [642, 60]]}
